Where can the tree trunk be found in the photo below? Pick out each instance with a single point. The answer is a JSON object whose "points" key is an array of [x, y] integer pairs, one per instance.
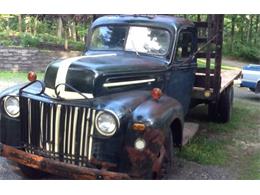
{"points": [[66, 46], [35, 25], [233, 20], [256, 28], [250, 29], [60, 27], [20, 23], [28, 24], [241, 28], [73, 31]]}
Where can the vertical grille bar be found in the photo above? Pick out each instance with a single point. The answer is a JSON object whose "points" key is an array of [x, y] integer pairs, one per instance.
{"points": [[91, 134]]}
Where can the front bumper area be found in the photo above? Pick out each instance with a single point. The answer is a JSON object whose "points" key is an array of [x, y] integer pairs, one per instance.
{"points": [[56, 167]]}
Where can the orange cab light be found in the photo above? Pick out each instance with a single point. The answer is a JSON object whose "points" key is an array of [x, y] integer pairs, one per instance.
{"points": [[32, 76], [156, 93], [138, 127]]}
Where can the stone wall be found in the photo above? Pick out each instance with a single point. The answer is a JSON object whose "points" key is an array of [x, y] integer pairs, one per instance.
{"points": [[26, 59]]}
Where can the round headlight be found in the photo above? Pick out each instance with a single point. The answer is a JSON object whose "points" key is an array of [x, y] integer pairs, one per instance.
{"points": [[106, 123], [11, 105]]}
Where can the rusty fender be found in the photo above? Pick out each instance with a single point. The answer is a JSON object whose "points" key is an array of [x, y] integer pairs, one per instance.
{"points": [[146, 162], [56, 167]]}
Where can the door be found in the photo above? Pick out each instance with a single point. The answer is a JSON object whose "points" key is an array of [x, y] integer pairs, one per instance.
{"points": [[183, 69]]}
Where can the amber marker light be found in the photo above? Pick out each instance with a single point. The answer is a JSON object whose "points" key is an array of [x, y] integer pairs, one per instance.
{"points": [[138, 127], [32, 76], [156, 93]]}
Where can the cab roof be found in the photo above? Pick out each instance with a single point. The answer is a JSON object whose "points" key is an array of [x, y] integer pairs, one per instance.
{"points": [[161, 21]]}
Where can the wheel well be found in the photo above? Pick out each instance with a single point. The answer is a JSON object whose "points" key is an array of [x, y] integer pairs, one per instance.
{"points": [[176, 128]]}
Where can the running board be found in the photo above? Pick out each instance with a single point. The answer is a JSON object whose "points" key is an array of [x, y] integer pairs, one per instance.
{"points": [[189, 130]]}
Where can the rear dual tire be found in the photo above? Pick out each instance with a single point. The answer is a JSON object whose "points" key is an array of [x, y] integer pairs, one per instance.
{"points": [[221, 110]]}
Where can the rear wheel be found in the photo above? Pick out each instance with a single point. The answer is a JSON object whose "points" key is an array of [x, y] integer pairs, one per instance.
{"points": [[32, 173], [226, 103], [221, 110]]}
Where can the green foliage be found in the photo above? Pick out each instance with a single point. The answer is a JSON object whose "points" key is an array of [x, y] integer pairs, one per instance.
{"points": [[243, 51], [44, 41], [241, 32], [29, 41], [242, 113]]}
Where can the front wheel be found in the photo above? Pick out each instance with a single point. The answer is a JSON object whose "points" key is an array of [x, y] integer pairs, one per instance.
{"points": [[167, 161]]}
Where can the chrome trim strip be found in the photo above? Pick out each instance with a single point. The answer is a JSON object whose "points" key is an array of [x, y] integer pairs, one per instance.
{"points": [[124, 83]]}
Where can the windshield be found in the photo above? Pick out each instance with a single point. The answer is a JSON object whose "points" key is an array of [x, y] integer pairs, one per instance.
{"points": [[134, 38]]}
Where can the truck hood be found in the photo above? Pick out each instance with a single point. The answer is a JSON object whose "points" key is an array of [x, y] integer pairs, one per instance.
{"points": [[85, 73]]}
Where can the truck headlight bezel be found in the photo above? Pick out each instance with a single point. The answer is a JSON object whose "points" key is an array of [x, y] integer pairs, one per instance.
{"points": [[12, 103], [106, 117]]}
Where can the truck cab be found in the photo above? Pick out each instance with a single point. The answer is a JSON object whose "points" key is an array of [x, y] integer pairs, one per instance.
{"points": [[116, 112]]}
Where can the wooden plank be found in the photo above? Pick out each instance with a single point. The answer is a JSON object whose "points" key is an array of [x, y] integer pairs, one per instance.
{"points": [[228, 77]]}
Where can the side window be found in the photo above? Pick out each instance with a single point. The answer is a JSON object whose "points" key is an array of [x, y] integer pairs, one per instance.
{"points": [[184, 46]]}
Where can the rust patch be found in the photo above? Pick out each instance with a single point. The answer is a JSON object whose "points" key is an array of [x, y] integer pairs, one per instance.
{"points": [[144, 163], [58, 168]]}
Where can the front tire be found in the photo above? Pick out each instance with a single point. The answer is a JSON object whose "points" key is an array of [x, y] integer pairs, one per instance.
{"points": [[167, 162]]}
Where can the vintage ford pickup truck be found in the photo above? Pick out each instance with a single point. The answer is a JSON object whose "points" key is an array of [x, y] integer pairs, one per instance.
{"points": [[117, 111]]}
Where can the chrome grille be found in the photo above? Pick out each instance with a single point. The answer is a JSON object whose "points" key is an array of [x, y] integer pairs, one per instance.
{"points": [[57, 131]]}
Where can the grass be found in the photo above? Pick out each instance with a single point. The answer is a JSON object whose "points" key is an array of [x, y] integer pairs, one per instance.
{"points": [[252, 170], [242, 113], [204, 151], [202, 64], [211, 145], [9, 76]]}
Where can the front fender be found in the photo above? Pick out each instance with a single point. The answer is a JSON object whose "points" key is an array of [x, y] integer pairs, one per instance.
{"points": [[158, 114], [157, 117]]}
